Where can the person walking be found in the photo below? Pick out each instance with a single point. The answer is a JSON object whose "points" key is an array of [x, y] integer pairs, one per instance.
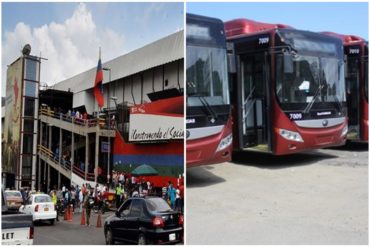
{"points": [[81, 200], [178, 199], [54, 199], [73, 199], [88, 204], [171, 194], [118, 195]]}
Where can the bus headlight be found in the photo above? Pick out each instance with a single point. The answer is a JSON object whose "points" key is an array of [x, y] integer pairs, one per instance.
{"points": [[344, 131], [225, 142], [290, 135]]}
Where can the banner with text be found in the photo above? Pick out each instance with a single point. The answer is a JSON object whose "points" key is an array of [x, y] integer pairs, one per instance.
{"points": [[150, 127]]}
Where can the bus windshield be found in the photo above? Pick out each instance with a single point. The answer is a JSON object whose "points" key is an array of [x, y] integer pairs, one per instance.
{"points": [[312, 79], [206, 76]]}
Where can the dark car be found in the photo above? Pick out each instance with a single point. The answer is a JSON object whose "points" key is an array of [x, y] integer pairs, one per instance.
{"points": [[146, 220]]}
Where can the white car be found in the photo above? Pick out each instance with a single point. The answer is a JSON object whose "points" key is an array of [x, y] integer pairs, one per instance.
{"points": [[41, 207]]}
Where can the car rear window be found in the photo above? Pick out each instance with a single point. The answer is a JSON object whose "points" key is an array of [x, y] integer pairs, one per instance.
{"points": [[157, 204], [13, 193], [42, 199]]}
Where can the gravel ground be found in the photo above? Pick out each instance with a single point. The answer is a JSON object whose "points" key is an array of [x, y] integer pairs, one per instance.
{"points": [[318, 197]]}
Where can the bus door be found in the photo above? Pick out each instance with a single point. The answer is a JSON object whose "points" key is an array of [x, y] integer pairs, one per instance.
{"points": [[253, 101], [353, 97]]}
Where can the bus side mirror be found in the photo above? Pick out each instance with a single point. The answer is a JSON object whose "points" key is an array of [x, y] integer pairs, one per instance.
{"points": [[231, 65], [345, 67], [288, 64], [231, 58]]}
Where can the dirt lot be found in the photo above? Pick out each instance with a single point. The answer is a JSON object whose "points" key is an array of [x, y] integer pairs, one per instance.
{"points": [[319, 197]]}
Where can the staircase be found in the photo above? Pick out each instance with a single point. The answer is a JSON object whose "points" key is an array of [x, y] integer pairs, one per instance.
{"points": [[76, 175]]}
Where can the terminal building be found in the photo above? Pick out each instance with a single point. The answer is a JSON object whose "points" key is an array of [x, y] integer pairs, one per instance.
{"points": [[75, 142]]}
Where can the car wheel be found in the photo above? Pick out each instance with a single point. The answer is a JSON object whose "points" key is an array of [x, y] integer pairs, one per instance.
{"points": [[109, 237], [142, 239], [52, 222]]}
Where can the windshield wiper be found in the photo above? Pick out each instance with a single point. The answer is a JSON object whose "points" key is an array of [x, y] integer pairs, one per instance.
{"points": [[309, 106], [339, 104], [208, 107]]}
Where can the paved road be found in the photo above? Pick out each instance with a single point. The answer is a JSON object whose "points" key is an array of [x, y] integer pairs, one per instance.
{"points": [[319, 197], [70, 233]]}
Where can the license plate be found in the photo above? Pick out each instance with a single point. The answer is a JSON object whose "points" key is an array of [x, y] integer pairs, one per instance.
{"points": [[46, 209], [172, 236]]}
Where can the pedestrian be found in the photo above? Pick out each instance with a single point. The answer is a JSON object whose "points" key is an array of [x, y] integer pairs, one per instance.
{"points": [[54, 199], [135, 192], [81, 199], [83, 189], [114, 175], [121, 178], [133, 180], [118, 195], [64, 190], [73, 199], [88, 203], [181, 196], [178, 198], [164, 193], [171, 195]]}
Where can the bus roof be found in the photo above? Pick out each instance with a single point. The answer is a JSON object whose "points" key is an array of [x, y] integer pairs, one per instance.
{"points": [[202, 18], [205, 31], [346, 39], [238, 27]]}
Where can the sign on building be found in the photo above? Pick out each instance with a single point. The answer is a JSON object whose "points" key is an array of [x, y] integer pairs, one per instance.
{"points": [[161, 120]]}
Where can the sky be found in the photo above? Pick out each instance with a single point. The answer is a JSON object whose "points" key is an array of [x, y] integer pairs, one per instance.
{"points": [[346, 18], [69, 34]]}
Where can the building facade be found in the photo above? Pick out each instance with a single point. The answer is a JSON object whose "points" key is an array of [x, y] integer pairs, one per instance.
{"points": [[87, 148]]}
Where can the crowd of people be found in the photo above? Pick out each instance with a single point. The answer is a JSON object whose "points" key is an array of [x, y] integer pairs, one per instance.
{"points": [[126, 185], [79, 117]]}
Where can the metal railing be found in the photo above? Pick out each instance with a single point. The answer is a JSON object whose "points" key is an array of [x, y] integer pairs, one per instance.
{"points": [[66, 164], [103, 123]]}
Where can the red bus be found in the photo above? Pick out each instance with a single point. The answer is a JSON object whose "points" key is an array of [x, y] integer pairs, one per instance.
{"points": [[356, 50], [289, 90], [208, 110]]}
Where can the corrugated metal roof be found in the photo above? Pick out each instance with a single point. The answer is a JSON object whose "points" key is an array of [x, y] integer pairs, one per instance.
{"points": [[165, 50]]}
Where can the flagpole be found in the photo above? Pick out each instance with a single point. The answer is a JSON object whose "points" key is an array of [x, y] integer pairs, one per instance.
{"points": [[97, 133]]}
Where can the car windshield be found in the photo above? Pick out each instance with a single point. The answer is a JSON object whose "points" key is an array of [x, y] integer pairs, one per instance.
{"points": [[13, 193], [40, 199], [206, 75], [157, 204]]}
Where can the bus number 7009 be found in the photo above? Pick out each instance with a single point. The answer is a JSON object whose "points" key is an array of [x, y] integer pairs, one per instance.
{"points": [[295, 116]]}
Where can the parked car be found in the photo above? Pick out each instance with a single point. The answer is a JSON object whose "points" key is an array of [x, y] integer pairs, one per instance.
{"points": [[14, 199], [16, 227], [146, 220], [41, 207]]}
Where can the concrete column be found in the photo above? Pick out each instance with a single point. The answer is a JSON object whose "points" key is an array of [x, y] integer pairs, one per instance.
{"points": [[44, 177], [96, 156], [48, 184], [59, 180], [50, 134], [41, 138], [60, 143], [39, 175], [87, 155], [72, 154]]}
